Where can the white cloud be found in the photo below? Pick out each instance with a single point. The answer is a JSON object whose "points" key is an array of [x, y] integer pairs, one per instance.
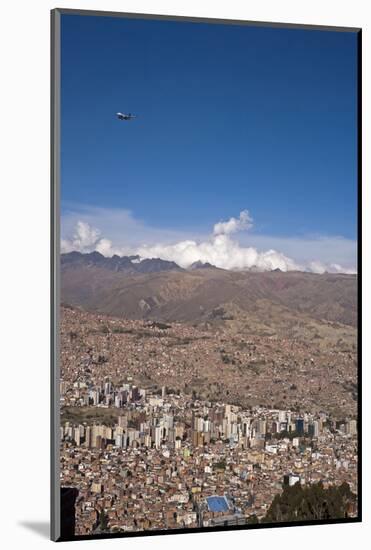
{"points": [[119, 226], [243, 222], [84, 239], [320, 267], [328, 249], [88, 239], [131, 236], [220, 251]]}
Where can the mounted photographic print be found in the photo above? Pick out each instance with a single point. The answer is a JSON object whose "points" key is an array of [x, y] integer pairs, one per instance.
{"points": [[205, 275]]}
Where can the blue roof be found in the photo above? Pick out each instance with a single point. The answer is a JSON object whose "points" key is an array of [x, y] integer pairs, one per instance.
{"points": [[217, 504]]}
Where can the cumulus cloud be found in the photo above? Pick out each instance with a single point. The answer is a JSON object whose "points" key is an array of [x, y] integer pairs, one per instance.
{"points": [[243, 222], [320, 267], [119, 225], [219, 249], [84, 239], [88, 239]]}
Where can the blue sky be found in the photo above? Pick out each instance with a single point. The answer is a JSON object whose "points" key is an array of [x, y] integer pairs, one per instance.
{"points": [[229, 118]]}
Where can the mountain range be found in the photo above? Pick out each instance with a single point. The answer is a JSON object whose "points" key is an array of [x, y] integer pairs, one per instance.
{"points": [[156, 289]]}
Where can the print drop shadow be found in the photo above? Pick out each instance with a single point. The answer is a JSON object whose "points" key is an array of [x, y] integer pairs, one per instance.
{"points": [[41, 528]]}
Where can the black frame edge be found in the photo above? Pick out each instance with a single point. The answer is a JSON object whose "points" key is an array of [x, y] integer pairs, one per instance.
{"points": [[54, 262]]}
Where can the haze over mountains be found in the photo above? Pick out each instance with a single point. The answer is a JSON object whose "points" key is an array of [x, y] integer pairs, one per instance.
{"points": [[157, 289]]}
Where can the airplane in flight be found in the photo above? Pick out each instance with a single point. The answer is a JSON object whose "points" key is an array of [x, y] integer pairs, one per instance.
{"points": [[124, 116]]}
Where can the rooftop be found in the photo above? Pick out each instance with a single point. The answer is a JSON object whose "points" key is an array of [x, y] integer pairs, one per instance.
{"points": [[217, 504]]}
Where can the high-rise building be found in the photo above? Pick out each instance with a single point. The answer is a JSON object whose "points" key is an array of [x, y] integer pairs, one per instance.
{"points": [[351, 427], [156, 436], [168, 421], [94, 395], [262, 427], [135, 395], [87, 442], [123, 421], [299, 425], [76, 436]]}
